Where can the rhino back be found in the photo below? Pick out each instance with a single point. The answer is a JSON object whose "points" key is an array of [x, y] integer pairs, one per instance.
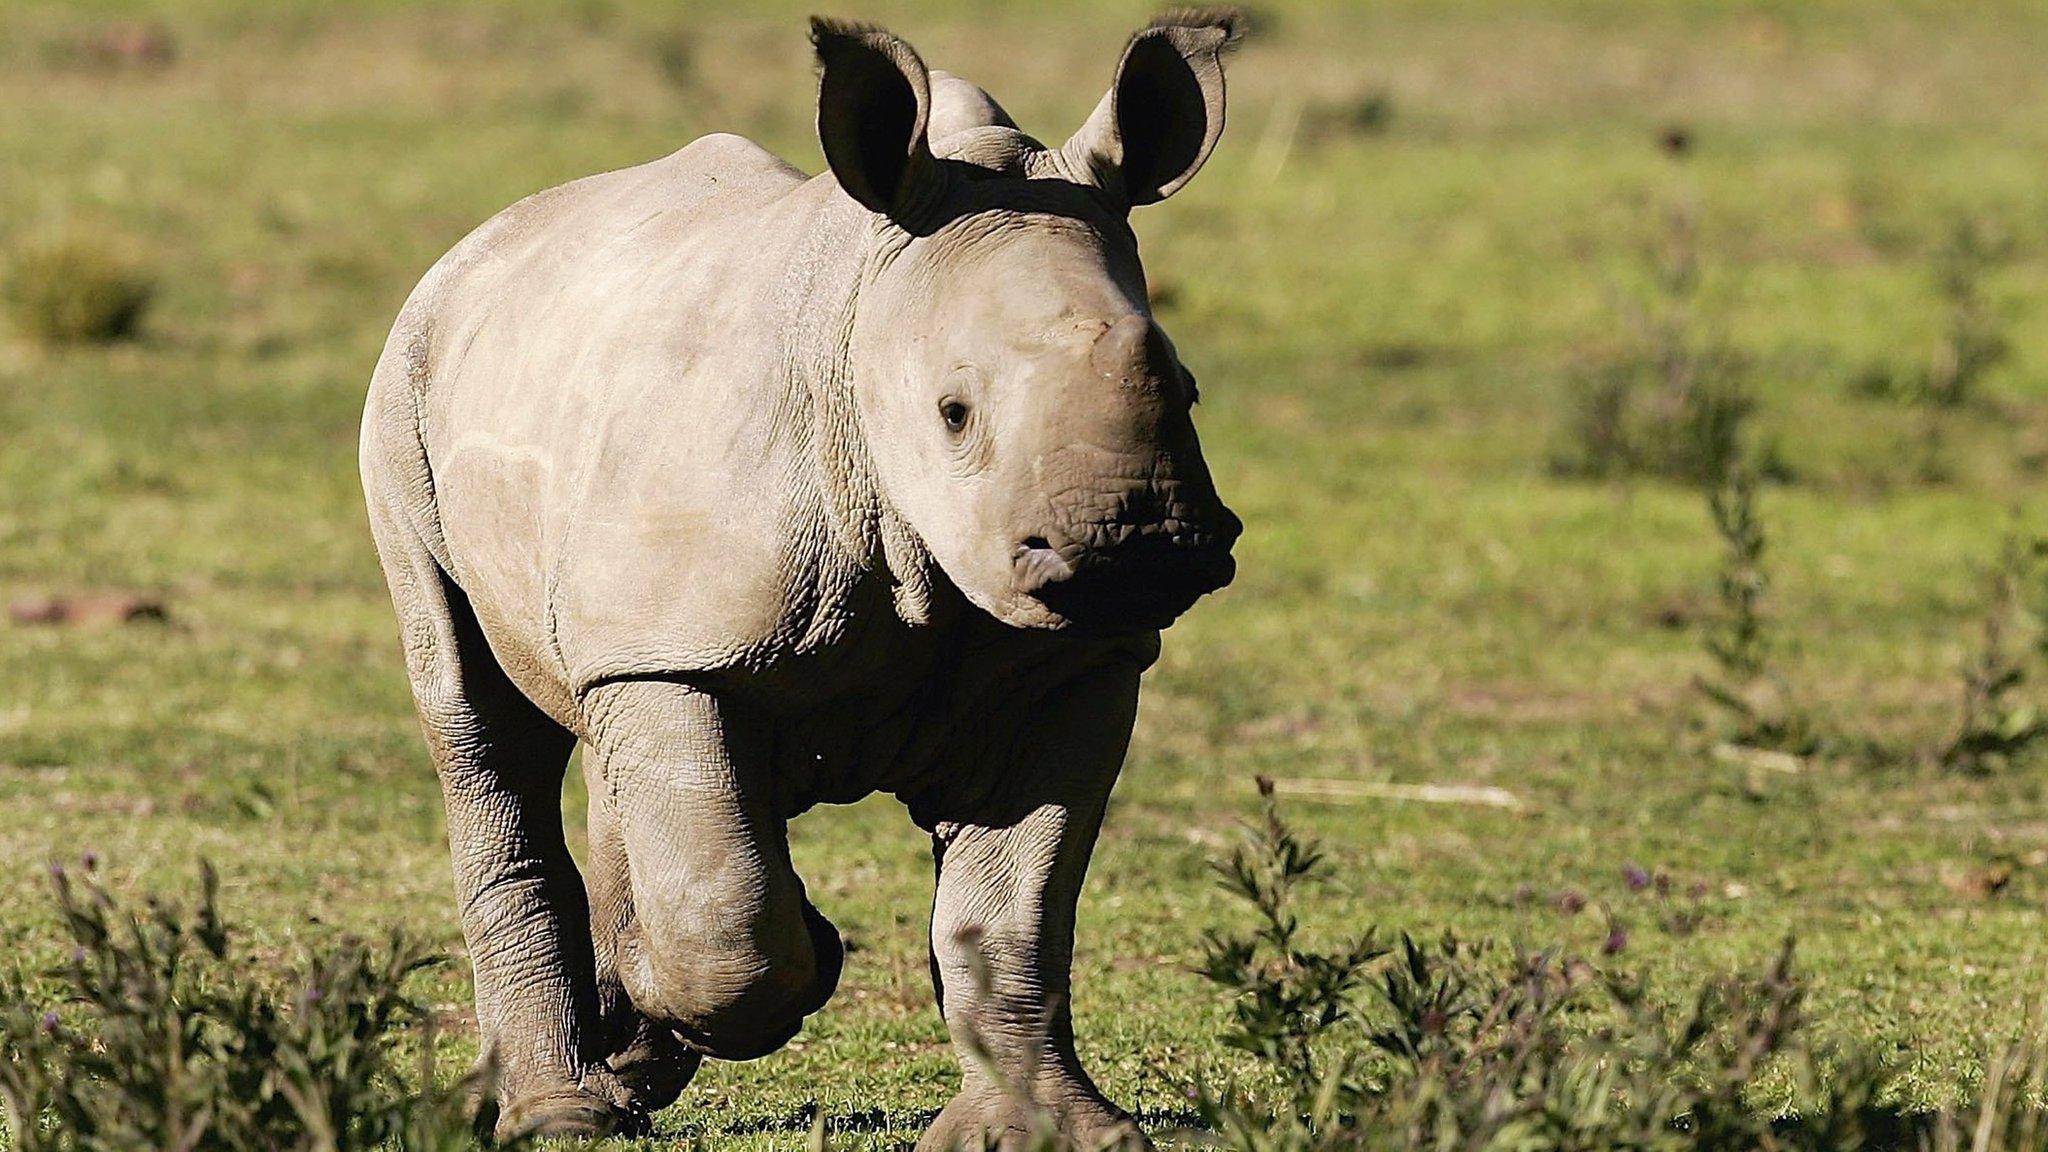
{"points": [[618, 477]]}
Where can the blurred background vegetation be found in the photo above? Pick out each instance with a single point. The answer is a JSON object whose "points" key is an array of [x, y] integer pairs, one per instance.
{"points": [[1487, 300]]}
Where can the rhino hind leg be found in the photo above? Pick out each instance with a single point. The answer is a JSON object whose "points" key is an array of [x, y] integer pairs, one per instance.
{"points": [[1010, 868], [500, 761]]}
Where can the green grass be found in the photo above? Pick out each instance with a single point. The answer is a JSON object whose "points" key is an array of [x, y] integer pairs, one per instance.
{"points": [[1387, 325]]}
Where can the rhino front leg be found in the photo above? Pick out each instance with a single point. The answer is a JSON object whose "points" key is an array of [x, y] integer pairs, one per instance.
{"points": [[716, 941], [644, 1053], [1010, 866]]}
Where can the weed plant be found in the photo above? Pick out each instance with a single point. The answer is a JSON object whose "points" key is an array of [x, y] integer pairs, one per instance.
{"points": [[152, 1037]]}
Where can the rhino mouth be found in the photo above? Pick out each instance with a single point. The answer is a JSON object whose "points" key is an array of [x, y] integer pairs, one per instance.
{"points": [[1143, 585]]}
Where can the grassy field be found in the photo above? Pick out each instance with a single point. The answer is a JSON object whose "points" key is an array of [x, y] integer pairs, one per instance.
{"points": [[1426, 220]]}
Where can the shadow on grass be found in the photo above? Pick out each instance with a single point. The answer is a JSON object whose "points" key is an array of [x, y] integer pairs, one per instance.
{"points": [[801, 1119]]}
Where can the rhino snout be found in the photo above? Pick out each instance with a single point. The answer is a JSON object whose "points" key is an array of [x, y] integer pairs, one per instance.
{"points": [[1126, 579]]}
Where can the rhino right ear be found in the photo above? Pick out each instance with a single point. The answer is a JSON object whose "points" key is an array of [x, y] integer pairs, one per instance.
{"points": [[874, 105]]}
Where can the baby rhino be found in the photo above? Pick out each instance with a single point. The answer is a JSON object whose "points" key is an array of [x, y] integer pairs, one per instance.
{"points": [[776, 491]]}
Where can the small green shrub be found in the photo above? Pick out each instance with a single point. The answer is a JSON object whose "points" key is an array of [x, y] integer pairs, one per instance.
{"points": [[1600, 440], [1286, 997], [157, 1037], [1451, 1045], [1995, 724], [674, 51], [1744, 686], [1682, 416], [1673, 402], [1974, 339], [1456, 1047], [1367, 112], [74, 289]]}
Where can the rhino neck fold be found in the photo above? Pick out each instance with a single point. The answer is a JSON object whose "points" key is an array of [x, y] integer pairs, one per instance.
{"points": [[841, 249]]}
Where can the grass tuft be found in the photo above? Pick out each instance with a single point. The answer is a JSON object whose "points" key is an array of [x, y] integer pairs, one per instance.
{"points": [[74, 288]]}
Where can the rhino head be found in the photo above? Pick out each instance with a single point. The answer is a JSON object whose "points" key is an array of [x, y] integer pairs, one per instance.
{"points": [[1025, 414]]}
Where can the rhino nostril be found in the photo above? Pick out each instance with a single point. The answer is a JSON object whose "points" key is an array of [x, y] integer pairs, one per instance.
{"points": [[1033, 543]]}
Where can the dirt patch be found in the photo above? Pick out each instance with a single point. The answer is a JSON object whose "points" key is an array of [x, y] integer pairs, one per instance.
{"points": [[91, 608]]}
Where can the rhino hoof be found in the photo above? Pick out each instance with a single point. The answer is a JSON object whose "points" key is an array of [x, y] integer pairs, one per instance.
{"points": [[655, 1068], [973, 1122], [569, 1113]]}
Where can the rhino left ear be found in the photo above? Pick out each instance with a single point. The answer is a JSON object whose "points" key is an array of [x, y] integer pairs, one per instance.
{"points": [[874, 103], [1160, 119]]}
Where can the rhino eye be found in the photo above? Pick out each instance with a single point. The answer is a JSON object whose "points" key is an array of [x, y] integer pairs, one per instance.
{"points": [[954, 413]]}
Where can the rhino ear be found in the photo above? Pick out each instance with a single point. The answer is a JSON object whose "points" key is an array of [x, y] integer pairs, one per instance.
{"points": [[1162, 116], [874, 102]]}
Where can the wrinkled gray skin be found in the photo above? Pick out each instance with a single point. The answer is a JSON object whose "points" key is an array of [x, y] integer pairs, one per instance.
{"points": [[775, 491]]}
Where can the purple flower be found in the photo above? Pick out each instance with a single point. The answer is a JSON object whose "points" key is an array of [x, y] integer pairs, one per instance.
{"points": [[50, 1021], [1570, 902], [1617, 939], [1636, 877]]}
